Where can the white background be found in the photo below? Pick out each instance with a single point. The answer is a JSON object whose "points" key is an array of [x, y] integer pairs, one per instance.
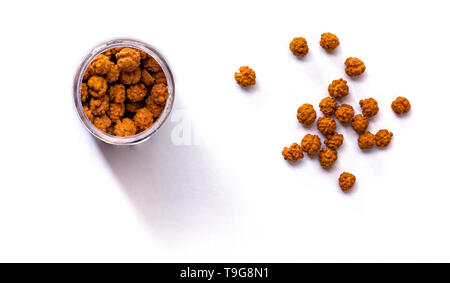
{"points": [[225, 193]]}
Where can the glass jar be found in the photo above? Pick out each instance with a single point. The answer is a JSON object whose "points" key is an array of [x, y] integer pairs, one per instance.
{"points": [[94, 52]]}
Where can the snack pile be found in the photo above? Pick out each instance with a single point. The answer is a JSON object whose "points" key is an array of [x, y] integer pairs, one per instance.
{"points": [[124, 91], [344, 113]]}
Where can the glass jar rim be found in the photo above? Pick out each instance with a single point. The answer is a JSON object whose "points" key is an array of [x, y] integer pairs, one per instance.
{"points": [[78, 80]]}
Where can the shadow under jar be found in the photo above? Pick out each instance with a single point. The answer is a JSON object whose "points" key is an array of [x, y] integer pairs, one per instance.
{"points": [[78, 80]]}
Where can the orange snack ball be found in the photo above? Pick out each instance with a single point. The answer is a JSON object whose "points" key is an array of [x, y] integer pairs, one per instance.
{"points": [[159, 93], [125, 128], [245, 77], [383, 138], [338, 88], [130, 78], [88, 113], [328, 106], [113, 73], [160, 78], [401, 105], [128, 59], [133, 107], [329, 41], [143, 119], [311, 144], [97, 86], [366, 140], [88, 73], [116, 111], [84, 92], [117, 93], [344, 113], [334, 141], [137, 92], [327, 157], [101, 64], [155, 108], [102, 122], [306, 114], [99, 106], [369, 107], [360, 123], [299, 46], [347, 181], [146, 78], [354, 67], [326, 125], [151, 65], [292, 153]]}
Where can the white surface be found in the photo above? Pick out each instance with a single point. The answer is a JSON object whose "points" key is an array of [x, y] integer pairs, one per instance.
{"points": [[227, 195]]}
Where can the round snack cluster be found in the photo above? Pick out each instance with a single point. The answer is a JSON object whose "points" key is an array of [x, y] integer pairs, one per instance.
{"points": [[334, 141], [366, 140], [328, 106], [369, 107], [311, 144], [326, 125], [354, 67], [338, 88], [345, 113], [383, 138], [120, 90], [360, 123], [299, 46], [347, 181], [245, 77], [401, 105], [292, 153], [306, 114], [327, 157], [329, 41]]}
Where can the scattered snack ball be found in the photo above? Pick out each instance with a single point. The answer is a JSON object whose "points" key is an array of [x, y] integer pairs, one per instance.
{"points": [[344, 113], [369, 107], [326, 125], [360, 123], [292, 153], [347, 181], [245, 77], [311, 144], [299, 46], [354, 67], [401, 105], [327, 157], [306, 114], [328, 106], [383, 138], [334, 141], [115, 88], [338, 88], [366, 140], [329, 41]]}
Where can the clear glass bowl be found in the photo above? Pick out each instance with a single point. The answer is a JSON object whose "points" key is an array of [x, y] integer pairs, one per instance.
{"points": [[94, 52]]}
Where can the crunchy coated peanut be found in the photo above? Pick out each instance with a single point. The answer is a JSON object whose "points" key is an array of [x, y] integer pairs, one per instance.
{"points": [[383, 138], [146, 78], [97, 86], [311, 144], [116, 111], [128, 59], [347, 181], [354, 67], [369, 107], [326, 125], [155, 108], [334, 141], [143, 119], [151, 65], [99, 106], [306, 114], [137, 92], [113, 74], [84, 92], [245, 77], [344, 113], [338, 88], [360, 123], [117, 93], [102, 122], [327, 157], [159, 93], [328, 106], [130, 78], [299, 46], [401, 105], [125, 128], [366, 140], [329, 41], [292, 153]]}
